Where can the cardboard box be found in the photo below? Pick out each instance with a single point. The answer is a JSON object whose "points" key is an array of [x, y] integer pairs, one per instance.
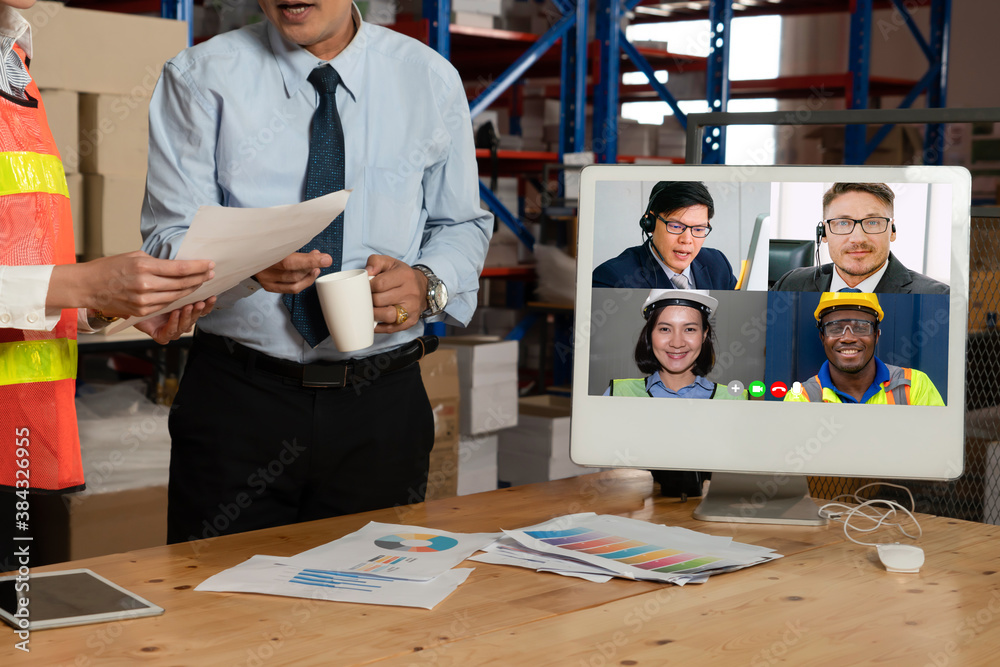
{"points": [[519, 468], [100, 52], [475, 20], [903, 145], [439, 371], [74, 183], [62, 112], [477, 464], [442, 475], [537, 449], [493, 7], [543, 425], [114, 134], [113, 205], [487, 375], [85, 525], [483, 360]]}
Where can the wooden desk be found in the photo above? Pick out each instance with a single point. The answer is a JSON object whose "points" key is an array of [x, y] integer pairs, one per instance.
{"points": [[827, 602]]}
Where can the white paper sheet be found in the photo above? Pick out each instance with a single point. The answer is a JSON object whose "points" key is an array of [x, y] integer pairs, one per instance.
{"points": [[274, 575], [244, 241], [638, 549], [506, 551], [395, 551]]}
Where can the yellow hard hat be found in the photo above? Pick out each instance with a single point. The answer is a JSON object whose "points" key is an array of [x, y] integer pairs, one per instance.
{"points": [[848, 301]]}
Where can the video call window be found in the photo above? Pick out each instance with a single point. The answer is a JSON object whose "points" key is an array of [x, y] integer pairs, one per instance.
{"points": [[759, 261]]}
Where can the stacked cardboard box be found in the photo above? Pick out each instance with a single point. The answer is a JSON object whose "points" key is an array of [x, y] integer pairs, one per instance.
{"points": [[537, 449], [440, 374], [79, 61], [476, 13], [487, 379], [61, 110]]}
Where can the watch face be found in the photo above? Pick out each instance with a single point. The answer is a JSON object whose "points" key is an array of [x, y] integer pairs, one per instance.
{"points": [[440, 296]]}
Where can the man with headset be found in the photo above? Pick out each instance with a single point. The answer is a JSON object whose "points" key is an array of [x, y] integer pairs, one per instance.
{"points": [[674, 225], [848, 326], [858, 226]]}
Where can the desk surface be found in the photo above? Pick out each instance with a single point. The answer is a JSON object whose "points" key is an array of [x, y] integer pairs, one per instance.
{"points": [[828, 601]]}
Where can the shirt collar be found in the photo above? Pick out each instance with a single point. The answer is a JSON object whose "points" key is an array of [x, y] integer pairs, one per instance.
{"points": [[13, 25], [670, 272], [699, 380], [881, 377], [295, 63], [867, 285]]}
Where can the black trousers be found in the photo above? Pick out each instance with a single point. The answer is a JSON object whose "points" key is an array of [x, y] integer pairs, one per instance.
{"points": [[254, 450]]}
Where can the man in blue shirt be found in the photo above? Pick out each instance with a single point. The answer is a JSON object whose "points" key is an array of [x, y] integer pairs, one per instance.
{"points": [[255, 442]]}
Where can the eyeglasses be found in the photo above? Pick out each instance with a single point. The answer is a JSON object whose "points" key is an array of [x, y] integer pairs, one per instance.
{"points": [[844, 226], [838, 328], [697, 231]]}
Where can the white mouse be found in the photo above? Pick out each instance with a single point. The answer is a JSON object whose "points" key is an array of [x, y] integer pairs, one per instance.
{"points": [[901, 557]]}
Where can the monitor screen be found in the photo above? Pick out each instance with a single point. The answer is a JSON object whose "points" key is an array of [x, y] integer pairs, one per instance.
{"points": [[848, 363]]}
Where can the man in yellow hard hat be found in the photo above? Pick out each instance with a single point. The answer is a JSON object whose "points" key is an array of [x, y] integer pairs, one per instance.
{"points": [[848, 325]]}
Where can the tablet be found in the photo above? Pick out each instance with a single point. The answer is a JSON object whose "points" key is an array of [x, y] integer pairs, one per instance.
{"points": [[70, 597]]}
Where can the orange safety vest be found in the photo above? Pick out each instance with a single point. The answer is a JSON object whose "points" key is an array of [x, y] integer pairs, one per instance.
{"points": [[39, 441]]}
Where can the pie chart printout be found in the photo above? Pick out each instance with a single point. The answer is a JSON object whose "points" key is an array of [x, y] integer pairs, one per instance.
{"points": [[420, 542]]}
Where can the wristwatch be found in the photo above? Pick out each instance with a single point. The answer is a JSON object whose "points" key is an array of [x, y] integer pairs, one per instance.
{"points": [[437, 292]]}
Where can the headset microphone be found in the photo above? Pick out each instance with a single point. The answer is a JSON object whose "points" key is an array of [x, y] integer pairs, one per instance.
{"points": [[820, 235]]}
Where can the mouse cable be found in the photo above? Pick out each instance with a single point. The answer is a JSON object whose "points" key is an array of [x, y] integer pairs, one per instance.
{"points": [[837, 510]]}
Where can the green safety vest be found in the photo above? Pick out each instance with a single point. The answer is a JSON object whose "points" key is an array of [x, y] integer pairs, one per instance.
{"points": [[637, 387], [896, 390]]}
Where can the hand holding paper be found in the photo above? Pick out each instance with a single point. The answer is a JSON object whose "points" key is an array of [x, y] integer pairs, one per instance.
{"points": [[245, 241]]}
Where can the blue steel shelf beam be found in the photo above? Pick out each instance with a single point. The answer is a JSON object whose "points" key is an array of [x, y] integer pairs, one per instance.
{"points": [[934, 82], [182, 10], [720, 18], [521, 65], [573, 81], [858, 64], [438, 15], [937, 93], [561, 30], [606, 95]]}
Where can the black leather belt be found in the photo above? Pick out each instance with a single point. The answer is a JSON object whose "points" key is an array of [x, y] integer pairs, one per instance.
{"points": [[333, 374]]}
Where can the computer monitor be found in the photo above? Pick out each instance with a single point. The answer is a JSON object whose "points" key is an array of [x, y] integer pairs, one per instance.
{"points": [[916, 329], [787, 254]]}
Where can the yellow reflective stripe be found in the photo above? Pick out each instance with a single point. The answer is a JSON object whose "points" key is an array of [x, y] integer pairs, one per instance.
{"points": [[32, 172], [24, 361]]}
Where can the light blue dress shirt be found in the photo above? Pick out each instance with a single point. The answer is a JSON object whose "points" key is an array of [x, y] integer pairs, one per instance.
{"points": [[229, 125]]}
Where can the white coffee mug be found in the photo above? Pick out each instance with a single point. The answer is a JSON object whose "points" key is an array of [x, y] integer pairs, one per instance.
{"points": [[346, 298]]}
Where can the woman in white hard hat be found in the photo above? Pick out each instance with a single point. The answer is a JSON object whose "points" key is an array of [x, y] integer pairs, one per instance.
{"points": [[675, 349]]}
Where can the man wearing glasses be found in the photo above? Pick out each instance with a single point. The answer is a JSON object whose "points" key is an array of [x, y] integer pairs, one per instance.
{"points": [[848, 324], [858, 226], [674, 227]]}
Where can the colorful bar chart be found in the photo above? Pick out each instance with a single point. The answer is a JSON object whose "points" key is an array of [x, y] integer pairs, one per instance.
{"points": [[636, 553], [328, 579]]}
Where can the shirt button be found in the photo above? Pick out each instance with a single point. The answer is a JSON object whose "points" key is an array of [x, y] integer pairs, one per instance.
{"points": [[32, 318], [4, 318]]}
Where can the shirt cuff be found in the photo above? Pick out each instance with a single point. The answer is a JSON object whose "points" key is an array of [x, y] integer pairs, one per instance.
{"points": [[23, 290]]}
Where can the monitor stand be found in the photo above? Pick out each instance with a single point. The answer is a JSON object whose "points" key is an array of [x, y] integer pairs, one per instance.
{"points": [[743, 498]]}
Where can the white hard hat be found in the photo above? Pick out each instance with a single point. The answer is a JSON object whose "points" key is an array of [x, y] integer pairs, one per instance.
{"points": [[698, 299]]}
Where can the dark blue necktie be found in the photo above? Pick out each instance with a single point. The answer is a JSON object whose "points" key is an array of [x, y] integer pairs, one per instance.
{"points": [[325, 174], [849, 289]]}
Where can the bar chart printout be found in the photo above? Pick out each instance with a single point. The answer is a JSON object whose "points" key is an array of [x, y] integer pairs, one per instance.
{"points": [[638, 549]]}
